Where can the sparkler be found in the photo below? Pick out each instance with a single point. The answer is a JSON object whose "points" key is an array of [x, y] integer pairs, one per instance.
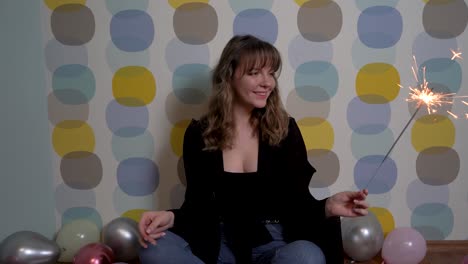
{"points": [[422, 94]]}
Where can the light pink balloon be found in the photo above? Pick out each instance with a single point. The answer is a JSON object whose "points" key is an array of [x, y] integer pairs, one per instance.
{"points": [[94, 253], [404, 245]]}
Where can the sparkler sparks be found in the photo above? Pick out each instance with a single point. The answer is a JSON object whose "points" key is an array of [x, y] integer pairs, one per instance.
{"points": [[456, 54], [422, 94]]}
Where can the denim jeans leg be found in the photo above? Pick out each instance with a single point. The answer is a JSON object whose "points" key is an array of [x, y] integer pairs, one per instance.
{"points": [[170, 249], [280, 252]]}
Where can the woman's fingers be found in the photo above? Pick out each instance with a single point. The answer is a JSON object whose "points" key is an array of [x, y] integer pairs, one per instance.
{"points": [[158, 235]]}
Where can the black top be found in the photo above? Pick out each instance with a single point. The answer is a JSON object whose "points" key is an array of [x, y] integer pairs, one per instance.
{"points": [[286, 175], [243, 193]]}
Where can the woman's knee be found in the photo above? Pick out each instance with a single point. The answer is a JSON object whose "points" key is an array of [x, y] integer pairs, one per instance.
{"points": [[301, 252], [166, 250]]}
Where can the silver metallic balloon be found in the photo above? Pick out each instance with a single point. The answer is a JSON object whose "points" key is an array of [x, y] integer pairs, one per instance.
{"points": [[27, 247], [122, 235], [362, 236]]}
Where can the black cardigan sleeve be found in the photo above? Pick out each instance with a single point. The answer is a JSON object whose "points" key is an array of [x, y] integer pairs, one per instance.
{"points": [[299, 173], [306, 215], [197, 191]]}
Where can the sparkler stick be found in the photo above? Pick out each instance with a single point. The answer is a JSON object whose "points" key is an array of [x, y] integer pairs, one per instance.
{"points": [[393, 145], [422, 95]]}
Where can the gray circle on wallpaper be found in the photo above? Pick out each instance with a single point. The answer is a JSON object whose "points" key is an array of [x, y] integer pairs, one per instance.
{"points": [[241, 5], [195, 23], [438, 165], [58, 111], [181, 171], [81, 170], [57, 54], [445, 19], [301, 50], [72, 24], [300, 108], [319, 20], [66, 197], [179, 53], [363, 55], [419, 193], [117, 58], [177, 195], [176, 110], [327, 164]]}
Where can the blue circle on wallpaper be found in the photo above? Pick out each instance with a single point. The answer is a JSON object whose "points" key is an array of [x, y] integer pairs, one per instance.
{"points": [[301, 50], [443, 71], [132, 30], [257, 22], [316, 81], [377, 176], [192, 83], [179, 53], [380, 27], [433, 220], [426, 47], [364, 118], [79, 213], [138, 176], [125, 121], [73, 84]]}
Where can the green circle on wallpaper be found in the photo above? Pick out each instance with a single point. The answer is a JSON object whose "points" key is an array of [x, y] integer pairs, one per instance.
{"points": [[433, 220], [73, 84], [192, 83], [316, 81]]}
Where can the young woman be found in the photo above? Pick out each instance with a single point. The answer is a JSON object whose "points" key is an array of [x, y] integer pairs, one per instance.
{"points": [[247, 197]]}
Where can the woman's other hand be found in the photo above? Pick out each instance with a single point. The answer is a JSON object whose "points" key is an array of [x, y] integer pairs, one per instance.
{"points": [[347, 204], [153, 224]]}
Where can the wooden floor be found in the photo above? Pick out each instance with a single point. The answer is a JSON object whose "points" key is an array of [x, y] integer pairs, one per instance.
{"points": [[438, 252]]}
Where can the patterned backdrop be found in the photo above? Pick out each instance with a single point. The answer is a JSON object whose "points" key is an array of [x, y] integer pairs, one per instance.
{"points": [[124, 78]]}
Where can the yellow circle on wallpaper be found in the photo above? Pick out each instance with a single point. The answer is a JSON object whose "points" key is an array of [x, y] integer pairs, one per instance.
{"points": [[72, 136], [134, 214], [432, 131], [377, 83], [52, 4], [134, 86], [177, 136], [317, 133], [385, 217], [177, 3]]}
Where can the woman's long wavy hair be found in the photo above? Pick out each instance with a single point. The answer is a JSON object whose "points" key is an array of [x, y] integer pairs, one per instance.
{"points": [[246, 53]]}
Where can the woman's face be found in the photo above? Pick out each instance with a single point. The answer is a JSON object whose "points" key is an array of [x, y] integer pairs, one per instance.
{"points": [[252, 88]]}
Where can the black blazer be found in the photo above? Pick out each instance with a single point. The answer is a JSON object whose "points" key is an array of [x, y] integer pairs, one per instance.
{"points": [[289, 173]]}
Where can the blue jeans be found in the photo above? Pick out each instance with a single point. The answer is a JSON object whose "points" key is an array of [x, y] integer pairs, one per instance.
{"points": [[172, 249]]}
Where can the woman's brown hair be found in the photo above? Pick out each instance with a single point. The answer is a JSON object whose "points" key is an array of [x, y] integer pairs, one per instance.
{"points": [[247, 52]]}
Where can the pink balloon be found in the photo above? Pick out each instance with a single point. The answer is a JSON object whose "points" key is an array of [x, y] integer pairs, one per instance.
{"points": [[94, 253], [465, 260], [404, 245]]}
